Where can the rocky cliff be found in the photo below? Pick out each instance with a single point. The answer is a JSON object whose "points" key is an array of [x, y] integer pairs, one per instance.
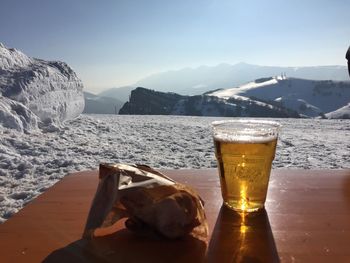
{"points": [[144, 101]]}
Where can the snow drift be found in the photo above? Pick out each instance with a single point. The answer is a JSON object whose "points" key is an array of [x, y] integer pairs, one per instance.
{"points": [[341, 113], [36, 92]]}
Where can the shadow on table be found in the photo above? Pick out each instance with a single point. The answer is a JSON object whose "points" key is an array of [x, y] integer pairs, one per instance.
{"points": [[345, 188], [242, 238], [74, 252], [236, 238], [124, 246]]}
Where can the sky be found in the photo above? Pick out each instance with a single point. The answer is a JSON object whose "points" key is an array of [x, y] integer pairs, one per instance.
{"points": [[116, 43]]}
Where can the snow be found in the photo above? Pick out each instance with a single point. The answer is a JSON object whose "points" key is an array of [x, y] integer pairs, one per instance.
{"points": [[300, 105], [10, 58], [242, 98], [309, 98], [342, 113], [15, 115], [227, 93], [34, 92], [31, 163]]}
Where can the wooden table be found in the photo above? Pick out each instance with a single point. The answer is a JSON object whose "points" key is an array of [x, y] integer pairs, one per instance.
{"points": [[307, 219]]}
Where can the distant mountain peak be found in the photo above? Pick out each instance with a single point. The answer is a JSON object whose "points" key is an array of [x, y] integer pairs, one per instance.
{"points": [[224, 75], [242, 63]]}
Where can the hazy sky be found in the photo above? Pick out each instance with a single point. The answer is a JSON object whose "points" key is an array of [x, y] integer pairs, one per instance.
{"points": [[116, 43]]}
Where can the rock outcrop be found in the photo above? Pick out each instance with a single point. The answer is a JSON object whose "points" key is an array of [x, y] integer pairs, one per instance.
{"points": [[145, 101]]}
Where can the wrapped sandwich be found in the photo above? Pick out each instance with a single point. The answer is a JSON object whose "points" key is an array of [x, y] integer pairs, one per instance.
{"points": [[148, 202]]}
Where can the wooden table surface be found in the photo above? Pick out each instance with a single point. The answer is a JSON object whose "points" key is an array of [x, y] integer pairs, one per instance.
{"points": [[307, 219]]}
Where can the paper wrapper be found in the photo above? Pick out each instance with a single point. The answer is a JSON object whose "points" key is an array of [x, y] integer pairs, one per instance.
{"points": [[152, 203]]}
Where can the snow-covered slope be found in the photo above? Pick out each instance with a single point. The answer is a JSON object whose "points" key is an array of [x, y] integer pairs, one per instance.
{"points": [[342, 113], [307, 97], [49, 89]]}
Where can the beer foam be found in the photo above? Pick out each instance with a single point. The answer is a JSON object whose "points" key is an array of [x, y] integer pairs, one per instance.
{"points": [[243, 138], [245, 131]]}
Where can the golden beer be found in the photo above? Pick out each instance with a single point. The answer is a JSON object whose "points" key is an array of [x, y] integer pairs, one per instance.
{"points": [[244, 160]]}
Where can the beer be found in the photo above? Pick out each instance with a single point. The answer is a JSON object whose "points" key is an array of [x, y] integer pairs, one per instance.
{"points": [[244, 161]]}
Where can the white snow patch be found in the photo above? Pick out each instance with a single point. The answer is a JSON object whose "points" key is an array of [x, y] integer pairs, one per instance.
{"points": [[227, 93], [342, 113], [15, 115], [11, 57]]}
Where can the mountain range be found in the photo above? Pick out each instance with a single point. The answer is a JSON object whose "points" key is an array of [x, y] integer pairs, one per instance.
{"points": [[278, 96], [150, 102], [310, 98], [196, 81]]}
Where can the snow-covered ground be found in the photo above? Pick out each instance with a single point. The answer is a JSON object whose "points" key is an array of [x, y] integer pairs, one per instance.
{"points": [[30, 163]]}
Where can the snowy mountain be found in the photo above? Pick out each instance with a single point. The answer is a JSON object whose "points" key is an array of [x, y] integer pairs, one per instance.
{"points": [[35, 92], [150, 102], [101, 105], [195, 81], [265, 97], [310, 98]]}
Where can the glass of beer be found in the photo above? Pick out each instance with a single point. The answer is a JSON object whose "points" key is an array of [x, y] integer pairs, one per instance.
{"points": [[244, 151]]}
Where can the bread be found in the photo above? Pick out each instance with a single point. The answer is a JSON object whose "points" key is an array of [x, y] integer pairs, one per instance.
{"points": [[172, 210], [154, 203]]}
